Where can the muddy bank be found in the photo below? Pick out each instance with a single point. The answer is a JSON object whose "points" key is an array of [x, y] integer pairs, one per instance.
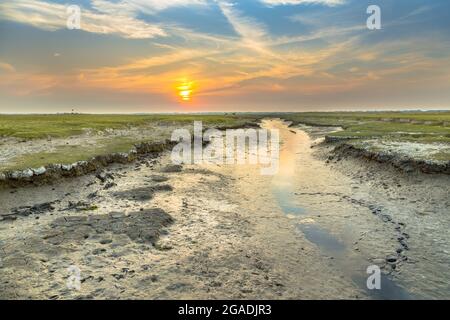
{"points": [[353, 147], [412, 207], [404, 163], [345, 147], [54, 172]]}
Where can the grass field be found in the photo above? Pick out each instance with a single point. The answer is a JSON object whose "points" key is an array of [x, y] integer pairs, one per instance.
{"points": [[68, 154], [43, 126], [40, 140], [423, 127], [375, 130]]}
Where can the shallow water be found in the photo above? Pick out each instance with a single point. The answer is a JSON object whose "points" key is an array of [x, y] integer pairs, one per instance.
{"points": [[295, 151]]}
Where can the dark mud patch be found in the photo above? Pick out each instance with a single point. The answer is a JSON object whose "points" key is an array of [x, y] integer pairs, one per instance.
{"points": [[25, 211], [80, 206], [142, 193], [172, 168], [39, 258], [141, 227], [159, 178]]}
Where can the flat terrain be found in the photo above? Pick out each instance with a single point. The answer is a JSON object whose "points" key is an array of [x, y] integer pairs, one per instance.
{"points": [[32, 141], [149, 229], [418, 135], [65, 125], [152, 230]]}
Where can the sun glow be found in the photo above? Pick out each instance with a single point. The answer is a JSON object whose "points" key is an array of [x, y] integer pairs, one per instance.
{"points": [[185, 91]]}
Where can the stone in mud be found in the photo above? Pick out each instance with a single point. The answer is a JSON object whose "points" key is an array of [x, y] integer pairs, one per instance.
{"points": [[80, 206], [118, 276], [36, 209], [66, 167], [157, 178], [25, 174], [39, 171], [391, 259], [8, 217], [153, 278], [101, 177], [404, 244], [172, 168], [92, 195], [98, 251], [109, 185]]}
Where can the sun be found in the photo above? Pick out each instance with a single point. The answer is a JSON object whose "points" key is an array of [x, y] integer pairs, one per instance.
{"points": [[185, 91]]}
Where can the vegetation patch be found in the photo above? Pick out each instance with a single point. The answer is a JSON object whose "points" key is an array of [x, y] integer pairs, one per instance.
{"points": [[65, 125], [69, 154]]}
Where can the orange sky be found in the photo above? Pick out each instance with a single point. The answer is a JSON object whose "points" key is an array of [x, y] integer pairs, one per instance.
{"points": [[177, 55]]}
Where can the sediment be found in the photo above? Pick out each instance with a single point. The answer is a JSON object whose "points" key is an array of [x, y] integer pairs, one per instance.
{"points": [[53, 172], [404, 163]]}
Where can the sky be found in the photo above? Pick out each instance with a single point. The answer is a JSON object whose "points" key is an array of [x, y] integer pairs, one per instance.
{"points": [[136, 56]]}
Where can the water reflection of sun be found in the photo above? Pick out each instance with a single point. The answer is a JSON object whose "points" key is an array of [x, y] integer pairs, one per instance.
{"points": [[185, 90]]}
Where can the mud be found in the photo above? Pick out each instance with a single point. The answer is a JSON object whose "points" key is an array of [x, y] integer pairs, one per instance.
{"points": [[405, 156], [54, 172], [148, 230], [404, 163]]}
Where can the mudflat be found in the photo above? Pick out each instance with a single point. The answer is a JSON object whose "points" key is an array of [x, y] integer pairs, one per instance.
{"points": [[143, 230]]}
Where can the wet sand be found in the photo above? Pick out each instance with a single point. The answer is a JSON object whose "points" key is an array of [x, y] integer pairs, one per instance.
{"points": [[152, 231]]}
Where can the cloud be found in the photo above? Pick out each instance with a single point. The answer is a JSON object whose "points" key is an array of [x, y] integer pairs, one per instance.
{"points": [[322, 58], [115, 18], [145, 6], [151, 6], [329, 3], [6, 67], [254, 35], [23, 84], [248, 28]]}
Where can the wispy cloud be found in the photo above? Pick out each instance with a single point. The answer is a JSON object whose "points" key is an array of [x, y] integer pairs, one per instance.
{"points": [[145, 6], [6, 67], [325, 51], [109, 18], [330, 3]]}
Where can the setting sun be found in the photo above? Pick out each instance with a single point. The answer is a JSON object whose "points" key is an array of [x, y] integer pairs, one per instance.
{"points": [[185, 91]]}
